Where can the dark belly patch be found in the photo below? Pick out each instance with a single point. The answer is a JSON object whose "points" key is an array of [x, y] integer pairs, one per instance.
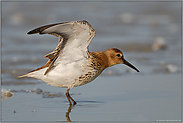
{"points": [[86, 78]]}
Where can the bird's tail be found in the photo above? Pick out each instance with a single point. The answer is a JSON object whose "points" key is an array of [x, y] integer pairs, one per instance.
{"points": [[23, 75]]}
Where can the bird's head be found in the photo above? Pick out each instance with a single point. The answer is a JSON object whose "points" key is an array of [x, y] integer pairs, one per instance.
{"points": [[115, 56]]}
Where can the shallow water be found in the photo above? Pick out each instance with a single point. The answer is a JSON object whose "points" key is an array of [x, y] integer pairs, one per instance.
{"points": [[115, 98], [119, 94]]}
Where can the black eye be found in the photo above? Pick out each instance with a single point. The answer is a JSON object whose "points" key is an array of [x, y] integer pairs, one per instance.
{"points": [[118, 55]]}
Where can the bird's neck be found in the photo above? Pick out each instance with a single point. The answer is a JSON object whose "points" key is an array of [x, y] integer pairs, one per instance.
{"points": [[101, 58]]}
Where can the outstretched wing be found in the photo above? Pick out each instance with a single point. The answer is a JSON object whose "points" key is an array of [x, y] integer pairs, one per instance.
{"points": [[74, 39]]}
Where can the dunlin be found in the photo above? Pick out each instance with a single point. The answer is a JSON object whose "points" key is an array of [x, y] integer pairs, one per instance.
{"points": [[71, 64]]}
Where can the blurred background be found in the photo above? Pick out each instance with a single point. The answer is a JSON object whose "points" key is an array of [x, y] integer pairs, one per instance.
{"points": [[148, 34]]}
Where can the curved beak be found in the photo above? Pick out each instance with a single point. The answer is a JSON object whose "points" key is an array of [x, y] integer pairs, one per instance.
{"points": [[130, 65]]}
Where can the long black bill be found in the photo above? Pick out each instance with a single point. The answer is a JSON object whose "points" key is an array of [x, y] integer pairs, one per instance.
{"points": [[130, 65]]}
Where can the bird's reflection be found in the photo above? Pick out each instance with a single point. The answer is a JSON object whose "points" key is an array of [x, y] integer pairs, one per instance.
{"points": [[86, 103], [68, 112]]}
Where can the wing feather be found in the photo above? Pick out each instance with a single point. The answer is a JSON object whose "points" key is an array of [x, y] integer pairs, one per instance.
{"points": [[74, 38]]}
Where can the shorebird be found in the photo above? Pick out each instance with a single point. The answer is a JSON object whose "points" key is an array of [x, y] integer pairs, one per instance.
{"points": [[71, 64]]}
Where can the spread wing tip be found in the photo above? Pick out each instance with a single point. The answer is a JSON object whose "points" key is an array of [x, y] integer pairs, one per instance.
{"points": [[35, 31], [41, 29]]}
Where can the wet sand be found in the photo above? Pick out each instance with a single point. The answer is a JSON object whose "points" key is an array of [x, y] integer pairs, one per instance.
{"points": [[148, 33], [115, 98]]}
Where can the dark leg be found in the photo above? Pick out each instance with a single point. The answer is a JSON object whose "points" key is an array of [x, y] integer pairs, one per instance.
{"points": [[69, 97]]}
